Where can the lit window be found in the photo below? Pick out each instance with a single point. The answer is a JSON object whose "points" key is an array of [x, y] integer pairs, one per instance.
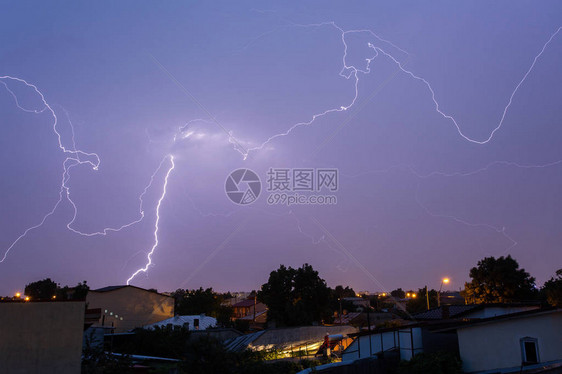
{"points": [[529, 351]]}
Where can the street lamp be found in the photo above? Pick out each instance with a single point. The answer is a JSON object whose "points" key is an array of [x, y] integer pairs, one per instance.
{"points": [[18, 295], [445, 281]]}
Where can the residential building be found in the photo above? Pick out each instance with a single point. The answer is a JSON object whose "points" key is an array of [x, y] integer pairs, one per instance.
{"points": [[404, 342], [359, 302], [512, 343], [248, 308], [129, 307]]}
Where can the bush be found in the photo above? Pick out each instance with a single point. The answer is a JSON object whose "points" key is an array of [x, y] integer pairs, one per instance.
{"points": [[431, 363]]}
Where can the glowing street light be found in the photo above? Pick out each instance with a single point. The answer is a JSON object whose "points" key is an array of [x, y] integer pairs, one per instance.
{"points": [[18, 295], [27, 298], [443, 281]]}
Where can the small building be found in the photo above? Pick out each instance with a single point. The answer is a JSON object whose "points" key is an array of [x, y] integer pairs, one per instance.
{"points": [[358, 302], [513, 342], [129, 307], [248, 308], [193, 323], [403, 342]]}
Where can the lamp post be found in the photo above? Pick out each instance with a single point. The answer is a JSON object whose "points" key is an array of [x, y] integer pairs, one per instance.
{"points": [[427, 296], [446, 281]]}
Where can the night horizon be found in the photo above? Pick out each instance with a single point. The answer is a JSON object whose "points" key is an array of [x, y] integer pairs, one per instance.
{"points": [[387, 145]]}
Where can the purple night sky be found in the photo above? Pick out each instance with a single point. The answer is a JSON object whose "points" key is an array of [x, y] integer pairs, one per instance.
{"points": [[425, 191]]}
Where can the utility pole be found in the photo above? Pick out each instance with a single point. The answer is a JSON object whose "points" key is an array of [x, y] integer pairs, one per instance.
{"points": [[427, 296], [255, 303], [339, 298]]}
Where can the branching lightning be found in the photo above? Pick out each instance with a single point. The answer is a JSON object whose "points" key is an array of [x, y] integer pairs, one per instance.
{"points": [[76, 157], [349, 71]]}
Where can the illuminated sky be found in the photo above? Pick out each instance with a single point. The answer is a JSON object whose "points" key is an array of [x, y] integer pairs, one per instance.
{"points": [[419, 197]]}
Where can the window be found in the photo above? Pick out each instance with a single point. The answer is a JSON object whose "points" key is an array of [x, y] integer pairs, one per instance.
{"points": [[529, 351]]}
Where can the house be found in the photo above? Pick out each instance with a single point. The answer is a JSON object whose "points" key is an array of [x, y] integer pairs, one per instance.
{"points": [[41, 337], [193, 323], [495, 338], [517, 342], [248, 308], [451, 298], [129, 307], [358, 302], [402, 342]]}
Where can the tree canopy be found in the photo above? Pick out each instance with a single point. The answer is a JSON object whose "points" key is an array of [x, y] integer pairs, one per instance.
{"points": [[199, 301], [552, 289], [41, 290], [46, 289], [499, 280], [296, 296]]}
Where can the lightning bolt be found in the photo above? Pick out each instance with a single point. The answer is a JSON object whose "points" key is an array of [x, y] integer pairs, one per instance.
{"points": [[75, 158], [157, 222], [350, 71]]}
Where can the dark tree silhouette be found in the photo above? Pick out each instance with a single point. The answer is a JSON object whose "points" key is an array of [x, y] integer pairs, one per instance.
{"points": [[41, 290], [552, 289], [498, 281], [296, 296]]}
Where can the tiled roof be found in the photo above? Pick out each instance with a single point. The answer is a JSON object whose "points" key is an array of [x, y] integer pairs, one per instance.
{"points": [[437, 313], [346, 318], [113, 288], [109, 288], [244, 303]]}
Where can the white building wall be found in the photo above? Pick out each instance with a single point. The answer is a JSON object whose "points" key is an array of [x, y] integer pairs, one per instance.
{"points": [[407, 336], [497, 345], [392, 339], [491, 311]]}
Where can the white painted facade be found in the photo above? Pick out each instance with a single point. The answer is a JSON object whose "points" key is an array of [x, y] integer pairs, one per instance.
{"points": [[497, 345]]}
